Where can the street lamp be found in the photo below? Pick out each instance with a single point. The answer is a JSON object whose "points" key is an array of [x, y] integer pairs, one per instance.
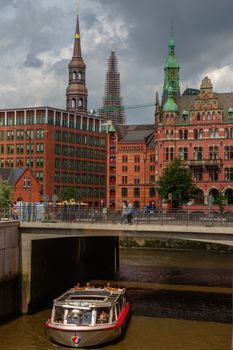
{"points": [[30, 174]]}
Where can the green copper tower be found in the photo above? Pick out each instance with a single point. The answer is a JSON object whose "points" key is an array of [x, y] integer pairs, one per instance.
{"points": [[171, 72]]}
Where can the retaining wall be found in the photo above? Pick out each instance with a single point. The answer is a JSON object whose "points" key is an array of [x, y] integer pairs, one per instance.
{"points": [[9, 268]]}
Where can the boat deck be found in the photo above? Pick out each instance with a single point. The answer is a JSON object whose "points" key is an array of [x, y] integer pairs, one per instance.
{"points": [[91, 295]]}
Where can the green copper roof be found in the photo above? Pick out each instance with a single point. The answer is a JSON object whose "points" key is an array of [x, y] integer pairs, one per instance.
{"points": [[111, 128], [230, 110], [170, 105], [185, 112], [171, 60]]}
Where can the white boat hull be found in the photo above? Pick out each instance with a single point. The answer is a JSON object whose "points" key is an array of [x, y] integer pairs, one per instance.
{"points": [[78, 338]]}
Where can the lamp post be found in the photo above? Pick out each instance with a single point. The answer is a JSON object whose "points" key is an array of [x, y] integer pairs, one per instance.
{"points": [[30, 175]]}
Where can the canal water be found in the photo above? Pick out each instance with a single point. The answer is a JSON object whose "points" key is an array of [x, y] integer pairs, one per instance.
{"points": [[187, 304]]}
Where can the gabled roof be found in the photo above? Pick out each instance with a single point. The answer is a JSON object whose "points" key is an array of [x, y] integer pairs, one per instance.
{"points": [[134, 133], [11, 175], [186, 102]]}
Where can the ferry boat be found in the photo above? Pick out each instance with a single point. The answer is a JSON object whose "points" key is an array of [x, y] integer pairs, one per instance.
{"points": [[89, 316]]}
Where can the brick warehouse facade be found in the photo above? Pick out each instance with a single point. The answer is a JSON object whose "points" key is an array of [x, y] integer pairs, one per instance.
{"points": [[198, 128], [65, 149]]}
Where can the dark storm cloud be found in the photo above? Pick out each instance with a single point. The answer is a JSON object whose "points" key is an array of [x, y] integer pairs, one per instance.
{"points": [[203, 30], [27, 24]]}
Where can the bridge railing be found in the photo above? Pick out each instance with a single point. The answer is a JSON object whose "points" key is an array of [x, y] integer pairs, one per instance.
{"points": [[67, 213]]}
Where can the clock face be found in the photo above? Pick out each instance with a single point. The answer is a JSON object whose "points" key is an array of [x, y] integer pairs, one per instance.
{"points": [[172, 72]]}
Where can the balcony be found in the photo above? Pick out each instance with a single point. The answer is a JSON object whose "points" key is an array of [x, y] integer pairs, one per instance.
{"points": [[204, 162]]}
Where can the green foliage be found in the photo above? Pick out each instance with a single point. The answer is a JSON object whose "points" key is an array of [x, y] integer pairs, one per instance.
{"points": [[128, 242], [176, 180], [220, 201], [69, 193], [5, 195]]}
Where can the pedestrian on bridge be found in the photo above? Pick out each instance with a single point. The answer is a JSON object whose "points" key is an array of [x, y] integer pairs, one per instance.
{"points": [[130, 213]]}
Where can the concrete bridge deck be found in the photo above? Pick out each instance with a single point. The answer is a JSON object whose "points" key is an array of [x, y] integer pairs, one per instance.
{"points": [[211, 234]]}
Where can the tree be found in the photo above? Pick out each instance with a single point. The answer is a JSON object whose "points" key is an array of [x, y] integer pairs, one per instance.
{"points": [[175, 185], [5, 195], [220, 201], [69, 193]]}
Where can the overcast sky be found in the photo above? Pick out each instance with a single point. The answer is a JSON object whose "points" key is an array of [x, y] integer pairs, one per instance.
{"points": [[36, 41]]}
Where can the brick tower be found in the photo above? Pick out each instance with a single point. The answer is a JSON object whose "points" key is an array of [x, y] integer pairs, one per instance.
{"points": [[76, 92]]}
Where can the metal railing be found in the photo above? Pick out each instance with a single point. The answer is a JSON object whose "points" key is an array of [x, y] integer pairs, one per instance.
{"points": [[72, 213]]}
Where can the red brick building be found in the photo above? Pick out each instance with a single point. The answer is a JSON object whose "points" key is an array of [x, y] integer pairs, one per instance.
{"points": [[198, 128], [64, 149], [131, 165], [24, 185]]}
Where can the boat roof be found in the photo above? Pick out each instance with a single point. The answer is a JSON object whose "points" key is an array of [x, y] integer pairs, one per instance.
{"points": [[89, 296]]}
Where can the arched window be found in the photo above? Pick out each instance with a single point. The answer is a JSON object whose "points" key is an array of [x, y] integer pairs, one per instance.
{"points": [[185, 134], [195, 134], [216, 133], [136, 192], [198, 197], [73, 103], [181, 134], [80, 102], [231, 133], [211, 133], [124, 192], [74, 75], [214, 193], [79, 75], [201, 134], [229, 196]]}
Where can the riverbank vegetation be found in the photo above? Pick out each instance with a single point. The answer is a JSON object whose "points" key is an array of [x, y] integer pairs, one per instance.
{"points": [[131, 242]]}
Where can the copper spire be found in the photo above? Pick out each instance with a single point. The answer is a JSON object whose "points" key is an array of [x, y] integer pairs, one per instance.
{"points": [[77, 42]]}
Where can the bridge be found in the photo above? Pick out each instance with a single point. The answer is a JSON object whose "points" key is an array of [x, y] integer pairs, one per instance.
{"points": [[208, 233]]}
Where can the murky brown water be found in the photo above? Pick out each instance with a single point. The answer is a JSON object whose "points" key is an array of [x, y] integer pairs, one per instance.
{"points": [[163, 318]]}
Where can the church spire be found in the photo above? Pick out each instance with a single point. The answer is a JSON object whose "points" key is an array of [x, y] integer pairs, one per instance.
{"points": [[77, 41], [171, 70], [76, 92], [112, 101]]}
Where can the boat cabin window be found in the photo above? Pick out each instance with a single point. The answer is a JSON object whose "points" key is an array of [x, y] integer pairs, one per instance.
{"points": [[78, 316], [59, 314], [103, 315]]}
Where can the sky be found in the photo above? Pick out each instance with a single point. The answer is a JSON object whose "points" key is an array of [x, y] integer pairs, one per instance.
{"points": [[36, 44]]}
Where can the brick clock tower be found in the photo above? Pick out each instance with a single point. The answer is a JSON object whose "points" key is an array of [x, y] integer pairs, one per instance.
{"points": [[76, 92]]}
